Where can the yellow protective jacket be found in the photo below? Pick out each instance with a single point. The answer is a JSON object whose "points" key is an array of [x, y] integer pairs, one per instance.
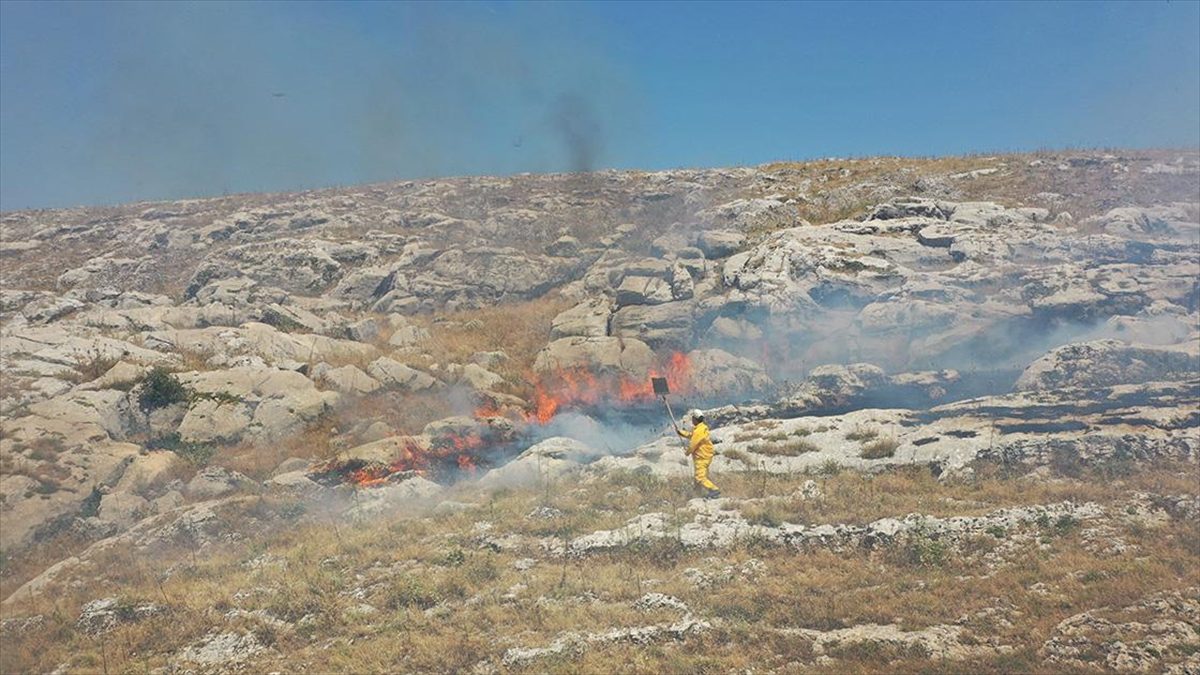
{"points": [[699, 444]]}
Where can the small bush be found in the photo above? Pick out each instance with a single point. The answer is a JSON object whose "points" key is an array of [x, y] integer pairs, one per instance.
{"points": [[91, 365], [218, 397], [199, 454], [736, 455], [661, 552], [925, 551], [829, 467], [160, 389], [876, 651], [408, 592], [763, 515], [861, 434], [481, 571], [879, 448], [790, 448], [454, 558], [46, 448], [1065, 524]]}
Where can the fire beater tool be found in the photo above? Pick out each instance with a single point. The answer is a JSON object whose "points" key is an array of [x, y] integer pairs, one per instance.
{"points": [[662, 390]]}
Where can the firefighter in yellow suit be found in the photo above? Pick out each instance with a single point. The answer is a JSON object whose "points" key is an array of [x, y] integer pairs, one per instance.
{"points": [[700, 449]]}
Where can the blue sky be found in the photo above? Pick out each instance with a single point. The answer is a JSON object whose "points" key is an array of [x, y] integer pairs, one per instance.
{"points": [[103, 103]]}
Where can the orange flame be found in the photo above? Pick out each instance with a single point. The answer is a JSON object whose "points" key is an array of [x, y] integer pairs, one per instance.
{"points": [[576, 387]]}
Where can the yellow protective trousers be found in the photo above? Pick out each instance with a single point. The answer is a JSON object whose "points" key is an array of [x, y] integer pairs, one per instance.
{"points": [[701, 466]]}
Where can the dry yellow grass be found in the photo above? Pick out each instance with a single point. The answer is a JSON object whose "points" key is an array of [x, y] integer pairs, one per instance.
{"points": [[446, 603]]}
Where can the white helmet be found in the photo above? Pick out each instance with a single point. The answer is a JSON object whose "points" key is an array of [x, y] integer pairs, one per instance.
{"points": [[696, 415]]}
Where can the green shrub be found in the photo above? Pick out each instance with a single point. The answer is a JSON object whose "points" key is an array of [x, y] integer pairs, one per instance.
{"points": [[218, 397], [161, 388], [198, 454], [454, 558], [829, 467], [925, 551], [1065, 523], [406, 592]]}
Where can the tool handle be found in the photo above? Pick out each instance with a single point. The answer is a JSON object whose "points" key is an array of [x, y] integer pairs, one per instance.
{"points": [[674, 422]]}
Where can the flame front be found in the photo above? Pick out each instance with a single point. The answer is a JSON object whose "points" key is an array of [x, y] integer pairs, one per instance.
{"points": [[554, 392], [577, 387]]}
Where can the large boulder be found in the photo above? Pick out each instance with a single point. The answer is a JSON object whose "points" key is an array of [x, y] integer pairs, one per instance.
{"points": [[303, 266], [474, 277], [541, 463], [215, 421], [666, 325], [391, 373], [150, 472], [32, 506], [834, 386], [587, 319], [682, 286], [764, 213], [348, 379], [292, 318], [720, 243], [216, 481], [597, 355], [122, 509], [223, 345], [720, 374], [278, 403], [806, 267], [474, 376], [237, 293], [1166, 221], [639, 290], [1103, 363]]}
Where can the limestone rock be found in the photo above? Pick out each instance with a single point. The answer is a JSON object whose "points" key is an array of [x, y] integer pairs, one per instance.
{"points": [[543, 462], [150, 472], [666, 325], [721, 374], [349, 379], [682, 286], [392, 373], [734, 330], [290, 319], [720, 243], [639, 290], [587, 319], [1103, 363], [122, 375], [123, 509], [209, 421], [598, 355], [215, 481], [563, 247]]}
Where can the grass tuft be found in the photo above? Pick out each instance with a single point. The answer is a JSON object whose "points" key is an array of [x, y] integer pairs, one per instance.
{"points": [[880, 448]]}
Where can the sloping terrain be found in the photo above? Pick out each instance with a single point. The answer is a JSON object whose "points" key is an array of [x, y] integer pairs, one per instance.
{"points": [[410, 426]]}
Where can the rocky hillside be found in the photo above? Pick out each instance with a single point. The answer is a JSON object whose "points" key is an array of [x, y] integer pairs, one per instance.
{"points": [[410, 426]]}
